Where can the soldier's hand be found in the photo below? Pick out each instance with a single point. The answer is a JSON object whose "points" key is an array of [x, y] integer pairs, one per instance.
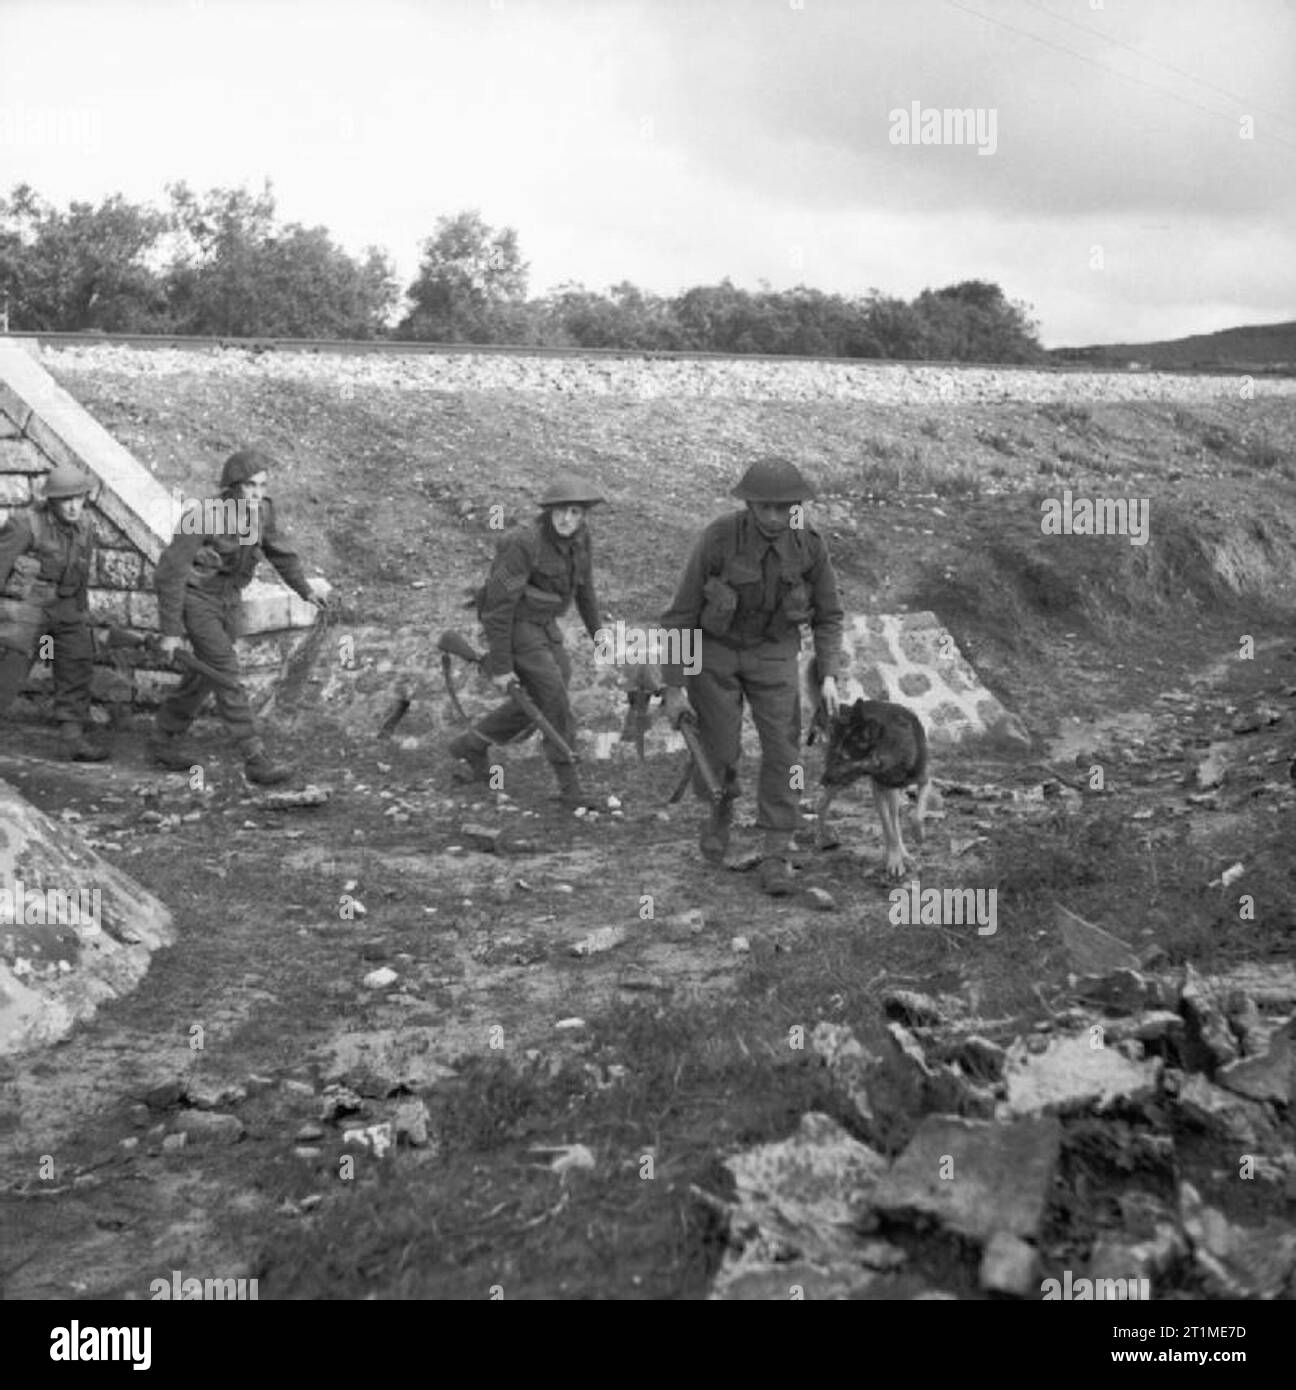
{"points": [[830, 698], [168, 646], [675, 704], [320, 590]]}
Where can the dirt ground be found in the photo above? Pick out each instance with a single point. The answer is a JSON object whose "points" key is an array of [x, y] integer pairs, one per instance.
{"points": [[1127, 659]]}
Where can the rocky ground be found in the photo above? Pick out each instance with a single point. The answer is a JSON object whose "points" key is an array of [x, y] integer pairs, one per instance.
{"points": [[445, 1049]]}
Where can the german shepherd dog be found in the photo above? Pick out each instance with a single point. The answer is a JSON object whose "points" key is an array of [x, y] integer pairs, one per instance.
{"points": [[882, 741]]}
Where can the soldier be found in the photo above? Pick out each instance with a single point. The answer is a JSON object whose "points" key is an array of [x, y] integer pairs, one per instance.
{"points": [[754, 577], [45, 558], [200, 577], [539, 569]]}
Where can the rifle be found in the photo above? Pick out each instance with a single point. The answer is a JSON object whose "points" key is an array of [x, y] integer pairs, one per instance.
{"points": [[122, 639], [698, 759], [452, 644]]}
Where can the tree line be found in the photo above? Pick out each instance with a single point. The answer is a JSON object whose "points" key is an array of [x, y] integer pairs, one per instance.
{"points": [[221, 263]]}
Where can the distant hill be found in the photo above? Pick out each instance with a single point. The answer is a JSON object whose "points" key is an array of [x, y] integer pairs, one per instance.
{"points": [[1267, 347]]}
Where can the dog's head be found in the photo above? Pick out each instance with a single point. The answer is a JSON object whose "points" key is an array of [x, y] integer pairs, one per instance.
{"points": [[854, 736]]}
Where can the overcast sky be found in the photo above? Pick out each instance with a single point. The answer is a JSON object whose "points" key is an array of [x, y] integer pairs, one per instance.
{"points": [[674, 142]]}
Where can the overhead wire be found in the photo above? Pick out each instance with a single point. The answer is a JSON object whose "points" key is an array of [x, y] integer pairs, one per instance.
{"points": [[1116, 72]]}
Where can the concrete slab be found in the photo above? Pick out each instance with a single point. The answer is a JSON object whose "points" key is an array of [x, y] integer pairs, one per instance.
{"points": [[74, 930]]}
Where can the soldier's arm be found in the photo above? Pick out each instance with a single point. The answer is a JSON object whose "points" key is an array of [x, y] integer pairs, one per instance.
{"points": [[586, 598], [15, 540], [829, 617], [169, 579], [685, 612], [508, 577], [276, 547]]}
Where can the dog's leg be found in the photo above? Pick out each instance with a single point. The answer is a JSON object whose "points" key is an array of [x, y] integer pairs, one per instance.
{"points": [[824, 836], [888, 808], [924, 796]]}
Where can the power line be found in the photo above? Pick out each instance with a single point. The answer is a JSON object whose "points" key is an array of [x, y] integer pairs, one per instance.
{"points": [[1104, 67], [1157, 62]]}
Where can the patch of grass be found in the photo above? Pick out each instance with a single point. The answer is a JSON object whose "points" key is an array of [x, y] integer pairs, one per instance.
{"points": [[1262, 455], [1075, 457], [1218, 439], [998, 440], [1068, 414], [931, 428]]}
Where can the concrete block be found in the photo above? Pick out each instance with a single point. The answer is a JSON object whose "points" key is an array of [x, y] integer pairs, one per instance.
{"points": [[152, 687], [15, 489], [265, 609], [21, 456], [143, 608], [110, 606], [117, 569], [9, 429]]}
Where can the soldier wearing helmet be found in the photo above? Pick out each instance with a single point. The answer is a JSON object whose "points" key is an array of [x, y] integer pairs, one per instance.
{"points": [[200, 577], [754, 578], [539, 570], [46, 555]]}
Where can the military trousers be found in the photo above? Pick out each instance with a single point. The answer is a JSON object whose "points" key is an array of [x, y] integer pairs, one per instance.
{"points": [[212, 620], [68, 624], [766, 678], [543, 669]]}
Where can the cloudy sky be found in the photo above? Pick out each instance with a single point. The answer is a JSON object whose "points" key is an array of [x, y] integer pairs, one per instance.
{"points": [[1132, 176]]}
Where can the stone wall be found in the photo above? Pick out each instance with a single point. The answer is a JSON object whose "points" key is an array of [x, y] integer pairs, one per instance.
{"points": [[41, 425]]}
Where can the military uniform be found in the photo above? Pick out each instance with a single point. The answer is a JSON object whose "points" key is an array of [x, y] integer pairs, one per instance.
{"points": [[749, 595], [199, 579], [45, 566], [536, 577]]}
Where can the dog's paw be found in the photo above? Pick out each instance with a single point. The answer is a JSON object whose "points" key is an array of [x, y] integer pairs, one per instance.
{"points": [[897, 863]]}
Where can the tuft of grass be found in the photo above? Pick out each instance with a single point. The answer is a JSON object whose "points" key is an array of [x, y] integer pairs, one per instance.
{"points": [[998, 440], [1064, 413]]}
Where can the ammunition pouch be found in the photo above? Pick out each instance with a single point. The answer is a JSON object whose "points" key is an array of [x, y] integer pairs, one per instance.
{"points": [[719, 604], [23, 577]]}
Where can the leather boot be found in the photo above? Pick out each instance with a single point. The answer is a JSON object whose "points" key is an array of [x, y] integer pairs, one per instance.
{"points": [[474, 752], [172, 751], [260, 768], [775, 870], [571, 792], [79, 749]]}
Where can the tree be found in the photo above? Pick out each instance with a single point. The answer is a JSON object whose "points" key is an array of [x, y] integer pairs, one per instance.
{"points": [[237, 272], [973, 322], [471, 285], [86, 268]]}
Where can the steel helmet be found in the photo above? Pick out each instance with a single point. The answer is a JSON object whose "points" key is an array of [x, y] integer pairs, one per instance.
{"points": [[245, 464], [773, 480], [65, 480], [571, 490]]}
